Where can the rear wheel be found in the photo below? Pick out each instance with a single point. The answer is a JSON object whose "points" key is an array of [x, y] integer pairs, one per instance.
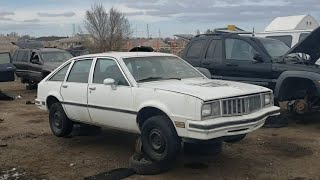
{"points": [[159, 139], [60, 124]]}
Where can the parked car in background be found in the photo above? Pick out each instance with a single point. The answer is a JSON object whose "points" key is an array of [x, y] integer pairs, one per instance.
{"points": [[7, 69], [32, 65], [155, 94], [291, 73]]}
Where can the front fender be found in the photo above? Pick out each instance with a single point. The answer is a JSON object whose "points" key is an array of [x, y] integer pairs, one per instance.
{"points": [[315, 77]]}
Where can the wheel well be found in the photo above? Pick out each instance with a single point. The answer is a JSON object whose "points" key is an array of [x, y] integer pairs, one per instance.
{"points": [[146, 113], [296, 88], [51, 100]]}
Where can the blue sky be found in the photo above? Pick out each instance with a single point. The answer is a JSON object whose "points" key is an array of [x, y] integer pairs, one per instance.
{"points": [[56, 17]]}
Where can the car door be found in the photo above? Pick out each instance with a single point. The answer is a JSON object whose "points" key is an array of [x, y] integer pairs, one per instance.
{"points": [[240, 64], [21, 62], [111, 105], [74, 90], [6, 68], [35, 66], [212, 59]]}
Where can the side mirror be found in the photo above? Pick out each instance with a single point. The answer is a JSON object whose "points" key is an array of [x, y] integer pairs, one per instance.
{"points": [[110, 81], [258, 57], [35, 61]]}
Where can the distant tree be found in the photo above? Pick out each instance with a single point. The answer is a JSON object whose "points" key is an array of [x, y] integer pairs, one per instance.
{"points": [[13, 34], [209, 31], [25, 37], [109, 30]]}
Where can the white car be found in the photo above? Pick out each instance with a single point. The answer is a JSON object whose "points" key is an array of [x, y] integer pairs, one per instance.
{"points": [[155, 94]]}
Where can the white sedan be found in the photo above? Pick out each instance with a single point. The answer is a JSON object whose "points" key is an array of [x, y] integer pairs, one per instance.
{"points": [[155, 94]]}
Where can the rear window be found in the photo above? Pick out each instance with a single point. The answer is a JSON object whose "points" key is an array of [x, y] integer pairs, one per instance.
{"points": [[196, 48], [287, 39], [4, 58]]}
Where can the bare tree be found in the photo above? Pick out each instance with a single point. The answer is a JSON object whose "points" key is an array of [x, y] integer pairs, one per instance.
{"points": [[108, 30]]}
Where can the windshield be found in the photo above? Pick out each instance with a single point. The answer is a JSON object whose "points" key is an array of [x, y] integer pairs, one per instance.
{"points": [[57, 56], [274, 47], [158, 68]]}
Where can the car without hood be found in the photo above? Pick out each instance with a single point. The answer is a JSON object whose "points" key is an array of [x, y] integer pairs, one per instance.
{"points": [[157, 95]]}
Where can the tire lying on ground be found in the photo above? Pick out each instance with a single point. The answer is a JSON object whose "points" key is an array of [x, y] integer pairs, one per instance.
{"points": [[144, 166], [203, 148], [160, 140]]}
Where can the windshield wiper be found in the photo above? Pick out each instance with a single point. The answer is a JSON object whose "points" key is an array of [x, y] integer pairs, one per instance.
{"points": [[156, 78], [150, 79]]}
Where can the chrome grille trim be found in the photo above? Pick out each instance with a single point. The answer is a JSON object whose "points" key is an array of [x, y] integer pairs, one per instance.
{"points": [[241, 105]]}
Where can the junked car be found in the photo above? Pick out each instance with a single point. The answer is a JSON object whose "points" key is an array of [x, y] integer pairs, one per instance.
{"points": [[158, 95], [35, 64]]}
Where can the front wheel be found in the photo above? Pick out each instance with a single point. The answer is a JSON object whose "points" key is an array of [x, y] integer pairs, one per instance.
{"points": [[60, 124], [160, 141]]}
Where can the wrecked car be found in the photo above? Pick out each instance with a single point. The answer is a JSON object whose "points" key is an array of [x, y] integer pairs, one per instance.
{"points": [[158, 95], [293, 73], [32, 65]]}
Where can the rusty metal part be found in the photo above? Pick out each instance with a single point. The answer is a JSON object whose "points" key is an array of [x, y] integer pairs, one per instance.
{"points": [[300, 106]]}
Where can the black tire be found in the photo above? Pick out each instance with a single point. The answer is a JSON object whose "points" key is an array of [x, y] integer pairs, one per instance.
{"points": [[143, 166], [203, 148], [235, 139], [60, 124], [277, 121], [159, 139]]}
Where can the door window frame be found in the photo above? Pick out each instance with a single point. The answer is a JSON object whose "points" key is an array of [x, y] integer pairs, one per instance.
{"points": [[72, 64], [120, 68], [254, 46]]}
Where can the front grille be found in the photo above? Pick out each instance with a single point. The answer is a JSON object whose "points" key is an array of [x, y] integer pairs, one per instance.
{"points": [[241, 105]]}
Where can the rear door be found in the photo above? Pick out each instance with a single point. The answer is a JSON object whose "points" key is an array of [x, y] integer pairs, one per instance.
{"points": [[35, 66], [212, 59], [6, 68], [74, 90], [21, 62]]}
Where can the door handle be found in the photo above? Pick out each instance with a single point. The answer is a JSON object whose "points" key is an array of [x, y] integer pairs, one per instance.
{"points": [[64, 86], [9, 67], [206, 63], [92, 88], [232, 65]]}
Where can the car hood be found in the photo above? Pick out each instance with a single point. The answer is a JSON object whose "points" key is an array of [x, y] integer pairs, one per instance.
{"points": [[310, 45], [206, 89]]}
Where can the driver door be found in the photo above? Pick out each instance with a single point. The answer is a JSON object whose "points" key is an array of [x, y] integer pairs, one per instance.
{"points": [[111, 106], [35, 67]]}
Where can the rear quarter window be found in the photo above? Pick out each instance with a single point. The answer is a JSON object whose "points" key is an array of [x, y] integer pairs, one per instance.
{"points": [[196, 48]]}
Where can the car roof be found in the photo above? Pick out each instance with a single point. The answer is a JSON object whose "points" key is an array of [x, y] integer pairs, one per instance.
{"points": [[119, 55]]}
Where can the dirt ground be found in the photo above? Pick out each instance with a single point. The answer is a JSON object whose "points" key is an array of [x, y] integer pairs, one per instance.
{"points": [[28, 150]]}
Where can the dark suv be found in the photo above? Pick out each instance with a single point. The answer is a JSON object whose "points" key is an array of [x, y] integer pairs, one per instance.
{"points": [[32, 65], [291, 73]]}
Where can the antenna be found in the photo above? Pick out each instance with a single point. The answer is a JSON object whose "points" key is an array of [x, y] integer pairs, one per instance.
{"points": [[253, 32], [73, 29], [148, 31]]}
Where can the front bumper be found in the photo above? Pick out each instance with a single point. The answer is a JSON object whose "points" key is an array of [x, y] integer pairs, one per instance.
{"points": [[229, 126]]}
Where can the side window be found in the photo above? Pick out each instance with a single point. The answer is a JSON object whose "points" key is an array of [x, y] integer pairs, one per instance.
{"points": [[80, 71], [287, 39], [196, 48], [215, 50], [108, 68], [239, 50], [60, 75], [22, 56], [15, 56], [302, 36], [4, 58]]}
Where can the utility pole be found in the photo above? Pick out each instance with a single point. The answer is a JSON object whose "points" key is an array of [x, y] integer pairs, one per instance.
{"points": [[148, 35]]}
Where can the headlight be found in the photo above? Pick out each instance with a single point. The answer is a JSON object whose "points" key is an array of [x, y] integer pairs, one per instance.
{"points": [[267, 99], [206, 110], [211, 109]]}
